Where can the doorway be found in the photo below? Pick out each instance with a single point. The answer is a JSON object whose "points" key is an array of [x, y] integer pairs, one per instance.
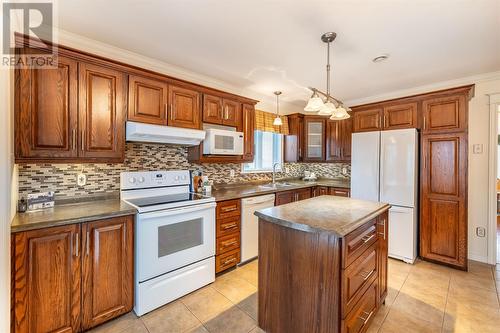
{"points": [[494, 181]]}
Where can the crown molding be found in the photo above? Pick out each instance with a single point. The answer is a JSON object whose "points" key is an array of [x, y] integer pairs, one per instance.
{"points": [[484, 77]]}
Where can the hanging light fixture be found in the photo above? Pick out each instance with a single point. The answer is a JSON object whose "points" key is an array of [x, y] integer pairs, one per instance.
{"points": [[329, 106], [277, 121]]}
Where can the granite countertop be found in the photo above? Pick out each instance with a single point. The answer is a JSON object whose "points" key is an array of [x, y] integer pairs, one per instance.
{"points": [[326, 213], [71, 213], [245, 190]]}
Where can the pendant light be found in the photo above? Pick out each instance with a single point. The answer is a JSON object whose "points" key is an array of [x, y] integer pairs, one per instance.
{"points": [[277, 121], [330, 106]]}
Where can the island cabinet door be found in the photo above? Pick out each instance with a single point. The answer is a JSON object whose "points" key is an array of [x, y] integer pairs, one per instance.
{"points": [[107, 270], [46, 280], [383, 242], [362, 315]]}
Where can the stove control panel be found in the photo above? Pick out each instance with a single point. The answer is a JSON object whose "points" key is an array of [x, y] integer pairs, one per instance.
{"points": [[151, 179]]}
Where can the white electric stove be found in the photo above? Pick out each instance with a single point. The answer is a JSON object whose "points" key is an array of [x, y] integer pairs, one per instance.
{"points": [[174, 236]]}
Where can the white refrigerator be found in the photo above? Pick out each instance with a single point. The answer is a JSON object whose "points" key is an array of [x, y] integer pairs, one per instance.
{"points": [[384, 167]]}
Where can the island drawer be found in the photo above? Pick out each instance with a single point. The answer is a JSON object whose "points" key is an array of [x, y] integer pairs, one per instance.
{"points": [[363, 312], [228, 208], [228, 226], [358, 277], [227, 260], [356, 242], [228, 243]]}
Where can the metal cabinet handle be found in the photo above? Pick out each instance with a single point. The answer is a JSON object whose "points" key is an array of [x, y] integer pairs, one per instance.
{"points": [[367, 239], [227, 244], [229, 226], [77, 244], [226, 113], [365, 320], [367, 276], [83, 140], [229, 209], [385, 119], [424, 124], [73, 143], [229, 261], [88, 243]]}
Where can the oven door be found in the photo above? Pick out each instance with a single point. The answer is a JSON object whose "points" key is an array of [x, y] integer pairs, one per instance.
{"points": [[170, 239]]}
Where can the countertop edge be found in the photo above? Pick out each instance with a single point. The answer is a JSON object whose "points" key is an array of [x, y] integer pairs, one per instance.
{"points": [[308, 228]]}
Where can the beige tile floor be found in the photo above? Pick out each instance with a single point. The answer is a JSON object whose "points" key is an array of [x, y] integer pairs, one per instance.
{"points": [[422, 298]]}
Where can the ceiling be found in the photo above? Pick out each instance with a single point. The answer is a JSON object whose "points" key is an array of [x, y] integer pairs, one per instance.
{"points": [[261, 46]]}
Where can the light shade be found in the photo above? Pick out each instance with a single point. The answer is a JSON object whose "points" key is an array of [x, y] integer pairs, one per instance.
{"points": [[328, 109], [340, 114], [314, 104], [277, 121]]}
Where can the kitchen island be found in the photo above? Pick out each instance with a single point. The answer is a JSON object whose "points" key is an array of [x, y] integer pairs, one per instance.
{"points": [[322, 265]]}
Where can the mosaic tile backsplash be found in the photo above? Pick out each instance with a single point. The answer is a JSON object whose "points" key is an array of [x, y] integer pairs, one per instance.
{"points": [[105, 178]]}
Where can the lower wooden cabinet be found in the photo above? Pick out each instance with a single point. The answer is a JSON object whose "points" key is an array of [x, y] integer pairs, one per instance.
{"points": [[383, 252], [227, 233], [71, 278], [292, 196], [340, 192]]}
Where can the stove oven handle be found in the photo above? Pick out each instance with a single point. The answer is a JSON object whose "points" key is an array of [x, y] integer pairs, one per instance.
{"points": [[176, 211]]}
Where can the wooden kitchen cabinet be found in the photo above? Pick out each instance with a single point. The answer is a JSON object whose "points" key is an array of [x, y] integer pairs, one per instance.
{"points": [[383, 252], [232, 113], [46, 117], [302, 194], [443, 215], [294, 141], [248, 132], [340, 192], [46, 280], [212, 109], [285, 197], [338, 140], [71, 278], [367, 120], [314, 139], [227, 234], [445, 114], [184, 110], [107, 270], [320, 190], [147, 100], [399, 116], [102, 112]]}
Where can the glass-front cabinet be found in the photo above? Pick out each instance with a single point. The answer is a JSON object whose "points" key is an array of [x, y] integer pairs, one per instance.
{"points": [[314, 144]]}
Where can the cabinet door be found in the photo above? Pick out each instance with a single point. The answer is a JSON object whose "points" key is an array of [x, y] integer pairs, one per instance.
{"points": [[232, 113], [445, 114], [383, 243], [319, 190], [147, 100], [294, 141], [46, 280], [284, 197], [212, 109], [47, 111], [367, 120], [400, 116], [302, 194], [314, 133], [248, 131], [340, 192], [333, 140], [102, 112], [346, 139], [443, 216], [184, 107], [107, 274]]}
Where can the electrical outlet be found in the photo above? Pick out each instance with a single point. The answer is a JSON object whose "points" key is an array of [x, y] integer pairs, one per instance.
{"points": [[344, 171], [287, 170], [231, 173], [81, 179], [480, 232], [477, 148]]}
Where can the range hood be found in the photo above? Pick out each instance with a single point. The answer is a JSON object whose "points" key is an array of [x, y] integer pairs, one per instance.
{"points": [[139, 132]]}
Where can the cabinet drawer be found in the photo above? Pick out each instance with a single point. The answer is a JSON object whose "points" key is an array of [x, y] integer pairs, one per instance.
{"points": [[227, 260], [228, 243], [363, 312], [358, 241], [229, 208], [358, 276], [340, 192], [228, 226]]}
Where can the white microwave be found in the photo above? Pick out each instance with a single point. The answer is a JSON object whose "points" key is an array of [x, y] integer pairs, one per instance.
{"points": [[223, 142]]}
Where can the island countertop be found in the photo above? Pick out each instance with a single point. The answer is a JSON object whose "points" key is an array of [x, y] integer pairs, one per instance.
{"points": [[325, 213]]}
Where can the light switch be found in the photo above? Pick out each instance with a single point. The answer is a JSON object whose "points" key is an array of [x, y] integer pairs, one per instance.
{"points": [[477, 148]]}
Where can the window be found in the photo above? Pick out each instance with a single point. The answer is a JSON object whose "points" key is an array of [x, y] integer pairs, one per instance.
{"points": [[267, 151]]}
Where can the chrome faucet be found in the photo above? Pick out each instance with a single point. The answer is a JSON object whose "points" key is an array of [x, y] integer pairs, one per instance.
{"points": [[274, 171]]}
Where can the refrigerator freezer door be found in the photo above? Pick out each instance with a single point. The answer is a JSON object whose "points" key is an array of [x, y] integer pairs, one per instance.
{"points": [[403, 234], [398, 167], [365, 166]]}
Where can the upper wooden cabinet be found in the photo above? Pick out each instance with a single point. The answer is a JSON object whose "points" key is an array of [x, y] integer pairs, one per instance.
{"points": [[445, 114], [212, 109], [107, 274], [314, 138], [102, 117], [46, 280], [232, 113], [248, 131], [74, 277], [367, 120], [185, 108], [147, 100], [294, 141], [46, 117], [400, 116], [338, 140]]}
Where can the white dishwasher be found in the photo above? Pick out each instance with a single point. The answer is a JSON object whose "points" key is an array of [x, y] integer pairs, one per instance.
{"points": [[250, 224]]}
